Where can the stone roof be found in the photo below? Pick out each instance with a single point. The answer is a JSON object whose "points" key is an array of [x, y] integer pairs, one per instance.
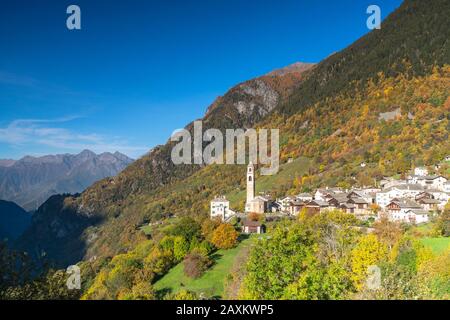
{"points": [[358, 201], [407, 186], [429, 201], [304, 195], [220, 199], [434, 191], [418, 211], [297, 203], [320, 203], [406, 203]]}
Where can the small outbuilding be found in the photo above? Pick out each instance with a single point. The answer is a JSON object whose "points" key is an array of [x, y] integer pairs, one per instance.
{"points": [[253, 227]]}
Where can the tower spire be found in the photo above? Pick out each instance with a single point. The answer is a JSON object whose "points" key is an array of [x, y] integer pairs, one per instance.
{"points": [[250, 182]]}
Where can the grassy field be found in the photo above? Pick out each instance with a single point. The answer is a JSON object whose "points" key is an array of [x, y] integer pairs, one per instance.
{"points": [[438, 245], [212, 282]]}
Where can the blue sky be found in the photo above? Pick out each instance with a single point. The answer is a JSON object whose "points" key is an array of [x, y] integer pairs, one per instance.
{"points": [[140, 69]]}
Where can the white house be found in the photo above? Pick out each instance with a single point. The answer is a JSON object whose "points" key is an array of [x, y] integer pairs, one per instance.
{"points": [[409, 191], [321, 194], [304, 197], [398, 209], [435, 182], [421, 171], [220, 208], [441, 196], [446, 187], [417, 216], [285, 203], [428, 182], [415, 179], [389, 182], [383, 198], [368, 194], [429, 204]]}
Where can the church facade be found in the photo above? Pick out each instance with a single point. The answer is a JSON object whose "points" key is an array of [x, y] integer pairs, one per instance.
{"points": [[220, 206]]}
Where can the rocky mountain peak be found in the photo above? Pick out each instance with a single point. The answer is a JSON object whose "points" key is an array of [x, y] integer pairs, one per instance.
{"points": [[297, 67]]}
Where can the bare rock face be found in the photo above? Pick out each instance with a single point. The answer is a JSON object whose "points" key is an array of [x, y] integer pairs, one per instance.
{"points": [[298, 67], [391, 115], [249, 102], [262, 98]]}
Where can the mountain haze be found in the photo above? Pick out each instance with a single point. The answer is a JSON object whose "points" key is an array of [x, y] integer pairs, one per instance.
{"points": [[32, 180]]}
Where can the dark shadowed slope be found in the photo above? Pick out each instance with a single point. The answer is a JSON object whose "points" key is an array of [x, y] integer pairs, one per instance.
{"points": [[13, 220]]}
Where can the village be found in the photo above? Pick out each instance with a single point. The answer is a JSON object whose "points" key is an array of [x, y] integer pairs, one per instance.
{"points": [[413, 200]]}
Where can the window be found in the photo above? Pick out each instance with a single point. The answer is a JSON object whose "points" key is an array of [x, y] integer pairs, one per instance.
{"points": [[250, 179]]}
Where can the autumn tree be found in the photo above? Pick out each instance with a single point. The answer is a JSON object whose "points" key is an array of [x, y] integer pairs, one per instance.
{"points": [[225, 236], [368, 252], [208, 227], [180, 248], [388, 231], [442, 226], [142, 291], [253, 216], [183, 295]]}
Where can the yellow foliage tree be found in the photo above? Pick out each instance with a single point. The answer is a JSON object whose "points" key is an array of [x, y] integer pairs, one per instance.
{"points": [[225, 236], [368, 252]]}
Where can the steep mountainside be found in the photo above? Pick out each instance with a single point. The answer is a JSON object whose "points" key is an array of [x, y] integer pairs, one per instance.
{"points": [[329, 114], [411, 41], [30, 181], [13, 220]]}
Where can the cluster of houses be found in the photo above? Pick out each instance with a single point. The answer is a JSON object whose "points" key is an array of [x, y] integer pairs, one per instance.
{"points": [[412, 200]]}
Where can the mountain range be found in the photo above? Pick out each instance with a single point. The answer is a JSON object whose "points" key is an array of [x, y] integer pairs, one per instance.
{"points": [[328, 113], [30, 181]]}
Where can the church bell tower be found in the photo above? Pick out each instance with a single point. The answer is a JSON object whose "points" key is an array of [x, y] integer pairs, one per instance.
{"points": [[250, 182]]}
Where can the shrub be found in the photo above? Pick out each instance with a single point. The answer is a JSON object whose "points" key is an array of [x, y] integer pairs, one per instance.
{"points": [[195, 264], [183, 295], [141, 291]]}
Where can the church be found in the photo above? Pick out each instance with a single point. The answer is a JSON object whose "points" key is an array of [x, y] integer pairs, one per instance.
{"points": [[220, 206], [254, 204]]}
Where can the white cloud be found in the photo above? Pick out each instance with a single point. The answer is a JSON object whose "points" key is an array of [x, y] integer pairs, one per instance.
{"points": [[45, 132]]}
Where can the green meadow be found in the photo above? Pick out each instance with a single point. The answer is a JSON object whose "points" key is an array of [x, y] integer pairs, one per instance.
{"points": [[212, 282]]}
